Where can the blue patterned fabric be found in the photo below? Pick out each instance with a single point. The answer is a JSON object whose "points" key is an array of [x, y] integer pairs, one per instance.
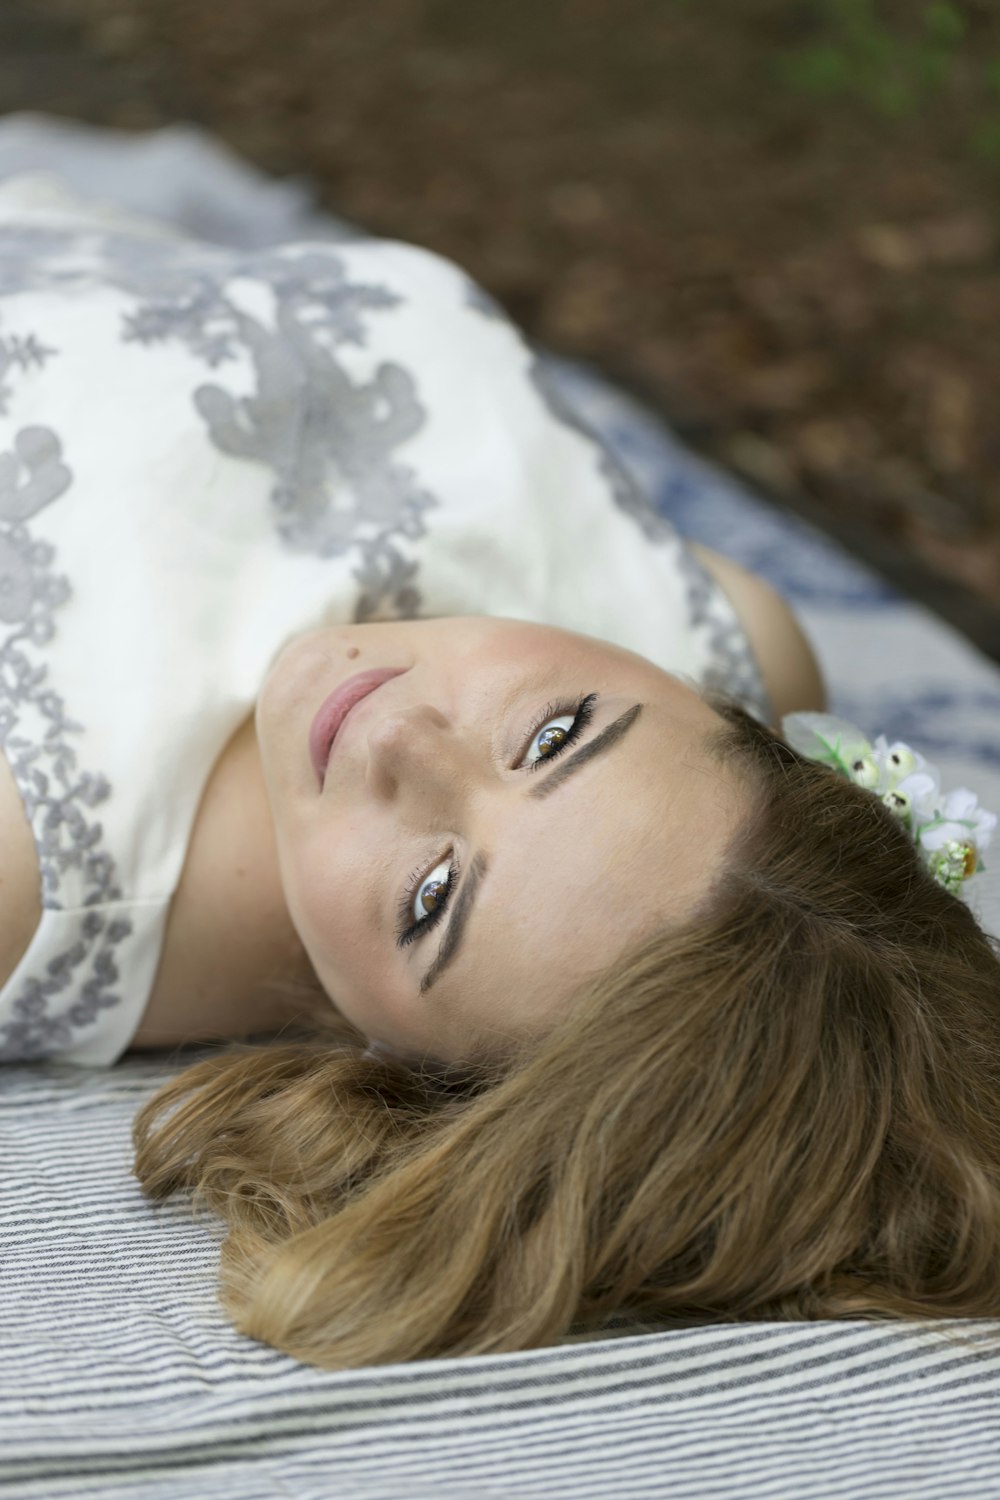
{"points": [[120, 1374]]}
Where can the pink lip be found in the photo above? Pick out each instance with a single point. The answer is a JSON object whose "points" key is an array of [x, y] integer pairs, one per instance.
{"points": [[334, 710]]}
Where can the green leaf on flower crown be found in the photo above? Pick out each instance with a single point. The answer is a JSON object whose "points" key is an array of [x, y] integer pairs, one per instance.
{"points": [[825, 738]]}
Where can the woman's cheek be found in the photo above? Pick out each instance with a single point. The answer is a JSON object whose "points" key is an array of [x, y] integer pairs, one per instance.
{"points": [[326, 921]]}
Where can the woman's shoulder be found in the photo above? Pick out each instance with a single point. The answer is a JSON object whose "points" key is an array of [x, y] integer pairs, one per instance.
{"points": [[787, 661]]}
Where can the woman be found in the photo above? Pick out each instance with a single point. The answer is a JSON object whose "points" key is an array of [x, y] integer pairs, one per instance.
{"points": [[387, 644], [231, 482], [440, 747]]}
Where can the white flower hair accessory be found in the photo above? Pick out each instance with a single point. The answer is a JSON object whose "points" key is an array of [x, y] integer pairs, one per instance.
{"points": [[949, 829]]}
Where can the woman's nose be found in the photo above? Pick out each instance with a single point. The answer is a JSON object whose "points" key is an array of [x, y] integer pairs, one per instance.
{"points": [[411, 747]]}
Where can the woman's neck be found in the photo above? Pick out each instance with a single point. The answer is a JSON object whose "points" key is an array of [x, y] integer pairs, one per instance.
{"points": [[230, 946]]}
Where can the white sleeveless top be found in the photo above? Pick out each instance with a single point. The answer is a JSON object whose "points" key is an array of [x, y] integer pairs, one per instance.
{"points": [[203, 452]]}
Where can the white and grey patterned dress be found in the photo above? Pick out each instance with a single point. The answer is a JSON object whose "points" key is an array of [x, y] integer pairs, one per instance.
{"points": [[204, 451]]}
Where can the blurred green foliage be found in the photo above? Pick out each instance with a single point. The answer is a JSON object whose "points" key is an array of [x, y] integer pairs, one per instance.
{"points": [[898, 66]]}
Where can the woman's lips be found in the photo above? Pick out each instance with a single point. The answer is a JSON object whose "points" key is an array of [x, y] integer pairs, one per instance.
{"points": [[334, 710]]}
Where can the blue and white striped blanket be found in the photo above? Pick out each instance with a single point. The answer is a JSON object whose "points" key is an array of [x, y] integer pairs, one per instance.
{"points": [[120, 1375]]}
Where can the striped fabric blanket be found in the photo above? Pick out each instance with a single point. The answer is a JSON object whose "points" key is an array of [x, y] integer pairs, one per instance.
{"points": [[120, 1374]]}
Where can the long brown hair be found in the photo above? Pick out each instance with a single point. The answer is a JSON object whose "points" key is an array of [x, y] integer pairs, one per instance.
{"points": [[786, 1108]]}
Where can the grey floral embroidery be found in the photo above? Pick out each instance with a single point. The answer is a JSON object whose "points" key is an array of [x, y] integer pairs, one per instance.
{"points": [[18, 352], [732, 667], [627, 495], [31, 476], [44, 763], [326, 437]]}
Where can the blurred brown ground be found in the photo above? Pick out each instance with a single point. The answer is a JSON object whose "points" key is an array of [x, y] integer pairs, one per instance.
{"points": [[806, 285]]}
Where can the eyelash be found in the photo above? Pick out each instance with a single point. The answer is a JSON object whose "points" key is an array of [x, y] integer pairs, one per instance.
{"points": [[582, 714]]}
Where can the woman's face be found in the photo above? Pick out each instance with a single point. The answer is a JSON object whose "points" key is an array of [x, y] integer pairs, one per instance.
{"points": [[537, 856]]}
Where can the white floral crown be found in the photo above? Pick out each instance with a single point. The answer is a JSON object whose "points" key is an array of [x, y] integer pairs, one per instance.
{"points": [[949, 829]]}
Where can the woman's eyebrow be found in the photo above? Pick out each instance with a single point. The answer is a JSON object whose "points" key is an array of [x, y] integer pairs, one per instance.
{"points": [[559, 773], [600, 742]]}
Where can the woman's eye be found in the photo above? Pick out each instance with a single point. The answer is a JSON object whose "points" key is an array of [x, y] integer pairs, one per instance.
{"points": [[424, 900], [550, 738], [555, 731], [432, 891]]}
